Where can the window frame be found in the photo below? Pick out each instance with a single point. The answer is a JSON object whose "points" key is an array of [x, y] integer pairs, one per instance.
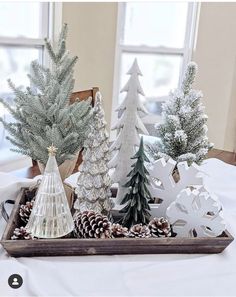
{"points": [[185, 52], [51, 21], [27, 42]]}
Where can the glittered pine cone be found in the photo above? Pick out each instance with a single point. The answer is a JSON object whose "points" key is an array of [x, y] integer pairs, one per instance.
{"points": [[118, 231], [25, 211], [139, 230], [160, 227], [89, 224], [21, 233]]}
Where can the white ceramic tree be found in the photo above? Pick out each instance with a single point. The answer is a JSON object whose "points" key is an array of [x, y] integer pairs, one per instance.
{"points": [[196, 213], [128, 127], [163, 186]]}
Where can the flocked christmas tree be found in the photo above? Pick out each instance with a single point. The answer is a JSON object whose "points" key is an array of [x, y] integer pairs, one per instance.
{"points": [[183, 131], [136, 210], [51, 216], [128, 127], [42, 112], [93, 190]]}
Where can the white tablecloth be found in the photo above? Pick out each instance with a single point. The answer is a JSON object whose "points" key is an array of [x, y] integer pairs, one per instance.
{"points": [[137, 275]]}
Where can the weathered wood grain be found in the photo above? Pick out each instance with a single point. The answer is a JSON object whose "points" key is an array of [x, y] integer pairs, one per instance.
{"points": [[75, 247]]}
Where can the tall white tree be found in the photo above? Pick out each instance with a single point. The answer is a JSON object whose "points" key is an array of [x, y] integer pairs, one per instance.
{"points": [[128, 127]]}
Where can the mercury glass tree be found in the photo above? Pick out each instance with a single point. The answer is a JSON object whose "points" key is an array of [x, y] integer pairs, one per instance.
{"points": [[93, 190]]}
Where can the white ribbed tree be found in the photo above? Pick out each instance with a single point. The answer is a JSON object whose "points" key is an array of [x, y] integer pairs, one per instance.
{"points": [[128, 127]]}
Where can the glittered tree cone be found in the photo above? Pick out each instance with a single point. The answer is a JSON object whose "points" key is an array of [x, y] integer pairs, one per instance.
{"points": [[21, 233], [160, 227], [139, 230], [118, 231], [94, 182], [25, 211], [89, 224]]}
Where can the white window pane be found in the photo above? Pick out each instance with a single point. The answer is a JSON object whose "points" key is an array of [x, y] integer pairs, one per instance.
{"points": [[155, 23], [160, 73], [15, 64], [21, 19]]}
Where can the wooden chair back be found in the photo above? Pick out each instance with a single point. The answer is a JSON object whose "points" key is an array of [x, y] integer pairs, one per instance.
{"points": [[83, 95]]}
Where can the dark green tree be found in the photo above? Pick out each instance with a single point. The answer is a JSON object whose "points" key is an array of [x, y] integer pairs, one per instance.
{"points": [[136, 208]]}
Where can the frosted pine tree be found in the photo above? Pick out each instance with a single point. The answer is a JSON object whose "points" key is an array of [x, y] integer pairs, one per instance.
{"points": [[183, 131], [93, 190], [128, 127], [42, 112]]}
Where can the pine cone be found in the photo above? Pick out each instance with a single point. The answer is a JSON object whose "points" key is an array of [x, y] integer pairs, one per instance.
{"points": [[25, 211], [118, 231], [160, 227], [31, 192], [139, 230], [89, 224], [21, 233]]}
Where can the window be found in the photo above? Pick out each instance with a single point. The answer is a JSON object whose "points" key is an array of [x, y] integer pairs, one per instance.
{"points": [[23, 27], [160, 35]]}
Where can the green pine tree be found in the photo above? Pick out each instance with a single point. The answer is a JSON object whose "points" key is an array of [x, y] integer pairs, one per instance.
{"points": [[43, 114], [136, 210]]}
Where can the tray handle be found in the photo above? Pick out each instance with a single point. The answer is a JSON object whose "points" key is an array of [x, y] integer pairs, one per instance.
{"points": [[4, 213]]}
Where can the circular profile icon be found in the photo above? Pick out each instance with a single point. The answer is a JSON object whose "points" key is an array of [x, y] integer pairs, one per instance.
{"points": [[15, 281]]}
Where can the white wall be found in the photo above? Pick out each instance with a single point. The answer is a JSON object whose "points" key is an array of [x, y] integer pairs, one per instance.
{"points": [[92, 35], [215, 54], [92, 30]]}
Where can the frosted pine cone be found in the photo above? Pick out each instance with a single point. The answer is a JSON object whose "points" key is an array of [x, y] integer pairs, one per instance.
{"points": [[25, 211], [118, 231], [139, 230], [160, 227], [21, 233], [89, 224]]}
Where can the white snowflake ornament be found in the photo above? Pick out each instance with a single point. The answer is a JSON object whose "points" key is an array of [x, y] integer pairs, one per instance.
{"points": [[196, 213], [162, 183]]}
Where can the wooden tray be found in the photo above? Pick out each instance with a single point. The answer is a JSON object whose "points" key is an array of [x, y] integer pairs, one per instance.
{"points": [[76, 247]]}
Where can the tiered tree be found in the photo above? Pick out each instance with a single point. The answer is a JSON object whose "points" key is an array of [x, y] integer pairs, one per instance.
{"points": [[51, 216], [183, 131], [93, 190], [136, 210], [43, 112], [128, 127]]}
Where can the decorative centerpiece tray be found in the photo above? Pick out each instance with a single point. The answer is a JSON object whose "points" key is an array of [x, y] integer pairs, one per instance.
{"points": [[79, 247]]}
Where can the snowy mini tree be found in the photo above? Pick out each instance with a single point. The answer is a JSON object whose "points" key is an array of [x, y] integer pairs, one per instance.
{"points": [[128, 127], [183, 131], [94, 182], [136, 210], [42, 112]]}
